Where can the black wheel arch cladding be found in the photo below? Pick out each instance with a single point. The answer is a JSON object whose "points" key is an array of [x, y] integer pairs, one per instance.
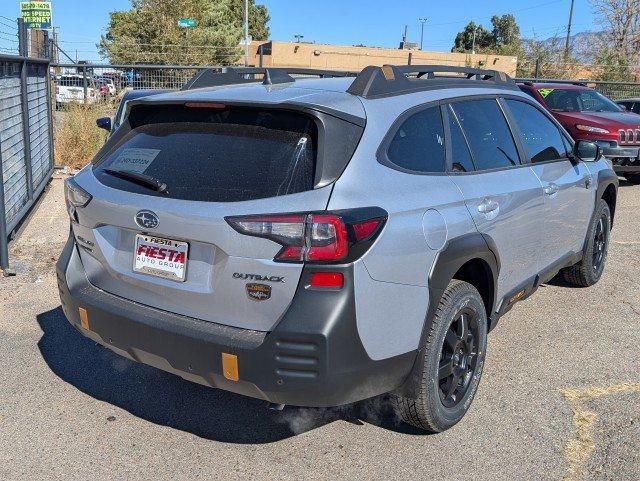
{"points": [[608, 189]]}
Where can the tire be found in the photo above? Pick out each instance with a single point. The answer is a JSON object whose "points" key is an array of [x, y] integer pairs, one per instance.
{"points": [[633, 178], [589, 270], [432, 410]]}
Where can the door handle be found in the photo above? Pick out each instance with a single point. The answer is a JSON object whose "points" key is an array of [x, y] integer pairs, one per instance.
{"points": [[551, 189], [487, 206]]}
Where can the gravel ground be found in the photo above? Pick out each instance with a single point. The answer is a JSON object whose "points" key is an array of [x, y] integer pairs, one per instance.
{"points": [[559, 399]]}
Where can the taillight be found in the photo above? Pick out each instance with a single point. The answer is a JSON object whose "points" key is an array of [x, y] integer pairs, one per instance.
{"points": [[316, 238]]}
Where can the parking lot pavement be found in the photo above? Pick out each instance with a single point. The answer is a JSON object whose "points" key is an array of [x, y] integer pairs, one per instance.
{"points": [[559, 399]]}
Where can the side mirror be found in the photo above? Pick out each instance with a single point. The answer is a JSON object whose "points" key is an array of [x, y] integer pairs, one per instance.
{"points": [[587, 151], [104, 123], [623, 107]]}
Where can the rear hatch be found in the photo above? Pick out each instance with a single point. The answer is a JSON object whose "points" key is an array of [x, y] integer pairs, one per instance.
{"points": [[164, 184]]}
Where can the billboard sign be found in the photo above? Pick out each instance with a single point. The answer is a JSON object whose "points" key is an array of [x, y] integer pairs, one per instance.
{"points": [[36, 15]]}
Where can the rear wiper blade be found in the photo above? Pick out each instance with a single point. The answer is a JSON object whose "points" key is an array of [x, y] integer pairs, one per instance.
{"points": [[140, 179]]}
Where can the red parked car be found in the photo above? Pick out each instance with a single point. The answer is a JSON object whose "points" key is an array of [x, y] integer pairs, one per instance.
{"points": [[589, 115]]}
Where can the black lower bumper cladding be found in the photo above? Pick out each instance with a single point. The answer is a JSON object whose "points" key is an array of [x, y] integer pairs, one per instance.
{"points": [[624, 159], [313, 357]]}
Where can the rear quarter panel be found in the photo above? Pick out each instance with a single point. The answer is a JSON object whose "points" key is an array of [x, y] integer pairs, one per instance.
{"points": [[425, 211]]}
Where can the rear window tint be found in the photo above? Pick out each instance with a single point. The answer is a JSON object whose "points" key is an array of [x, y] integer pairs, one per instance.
{"points": [[418, 145], [218, 156], [488, 134]]}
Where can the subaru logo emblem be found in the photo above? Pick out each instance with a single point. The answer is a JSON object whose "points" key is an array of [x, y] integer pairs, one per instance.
{"points": [[147, 219]]}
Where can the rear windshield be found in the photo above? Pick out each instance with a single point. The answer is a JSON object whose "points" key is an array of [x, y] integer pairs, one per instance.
{"points": [[216, 155]]}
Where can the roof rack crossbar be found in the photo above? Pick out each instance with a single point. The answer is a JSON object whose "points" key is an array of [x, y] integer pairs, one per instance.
{"points": [[389, 80], [271, 76]]}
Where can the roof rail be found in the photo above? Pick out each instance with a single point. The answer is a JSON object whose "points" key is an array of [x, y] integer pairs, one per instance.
{"points": [[390, 80], [531, 81], [212, 77]]}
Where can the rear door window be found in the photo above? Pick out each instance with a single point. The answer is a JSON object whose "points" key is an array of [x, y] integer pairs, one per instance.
{"points": [[488, 133], [461, 160], [216, 155], [418, 144], [541, 138]]}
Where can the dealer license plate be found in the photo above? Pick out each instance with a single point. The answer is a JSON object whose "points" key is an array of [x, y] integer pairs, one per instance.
{"points": [[159, 257]]}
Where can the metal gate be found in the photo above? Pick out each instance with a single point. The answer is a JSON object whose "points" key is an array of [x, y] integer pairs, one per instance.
{"points": [[26, 140]]}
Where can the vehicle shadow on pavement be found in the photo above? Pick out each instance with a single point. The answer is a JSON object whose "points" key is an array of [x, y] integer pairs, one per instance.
{"points": [[165, 399]]}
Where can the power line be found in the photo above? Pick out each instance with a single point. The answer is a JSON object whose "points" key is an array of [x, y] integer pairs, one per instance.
{"points": [[455, 22], [8, 39], [14, 26], [118, 44]]}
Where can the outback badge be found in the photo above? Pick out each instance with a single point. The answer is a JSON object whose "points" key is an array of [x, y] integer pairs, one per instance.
{"points": [[258, 292]]}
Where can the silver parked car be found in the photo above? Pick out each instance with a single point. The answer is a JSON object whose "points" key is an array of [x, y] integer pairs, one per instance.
{"points": [[320, 241]]}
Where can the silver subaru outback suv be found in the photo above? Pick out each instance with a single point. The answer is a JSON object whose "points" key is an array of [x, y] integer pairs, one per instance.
{"points": [[319, 241]]}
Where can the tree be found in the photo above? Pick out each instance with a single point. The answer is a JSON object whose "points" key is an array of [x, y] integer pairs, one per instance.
{"points": [[505, 30], [149, 32], [619, 48], [620, 19], [546, 59], [506, 36], [464, 39], [503, 39], [612, 66]]}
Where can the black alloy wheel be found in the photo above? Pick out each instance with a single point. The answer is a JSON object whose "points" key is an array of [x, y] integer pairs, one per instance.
{"points": [[459, 358]]}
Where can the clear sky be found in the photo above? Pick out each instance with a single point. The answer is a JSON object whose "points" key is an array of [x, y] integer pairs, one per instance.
{"points": [[373, 22]]}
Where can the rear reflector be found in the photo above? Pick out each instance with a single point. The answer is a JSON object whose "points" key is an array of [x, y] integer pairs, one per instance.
{"points": [[327, 280], [230, 366], [84, 318], [364, 230]]}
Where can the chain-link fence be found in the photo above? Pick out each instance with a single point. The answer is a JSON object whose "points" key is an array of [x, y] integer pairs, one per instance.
{"points": [[26, 140], [92, 83]]}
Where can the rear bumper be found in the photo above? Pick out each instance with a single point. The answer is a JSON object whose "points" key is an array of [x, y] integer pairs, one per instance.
{"points": [[313, 357]]}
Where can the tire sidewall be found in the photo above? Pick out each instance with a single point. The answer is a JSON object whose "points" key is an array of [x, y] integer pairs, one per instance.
{"points": [[445, 417], [602, 211]]}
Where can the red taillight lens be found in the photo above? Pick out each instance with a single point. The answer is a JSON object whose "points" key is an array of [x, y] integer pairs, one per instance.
{"points": [[326, 280], [328, 238], [308, 237], [364, 230]]}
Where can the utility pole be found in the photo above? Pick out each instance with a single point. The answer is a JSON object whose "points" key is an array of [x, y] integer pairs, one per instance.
{"points": [[566, 44], [23, 47], [246, 33], [422, 21]]}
